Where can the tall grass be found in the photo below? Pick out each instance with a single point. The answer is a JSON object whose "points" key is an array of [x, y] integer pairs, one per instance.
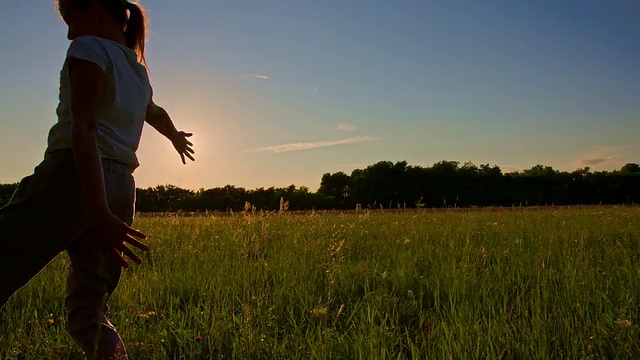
{"points": [[515, 284]]}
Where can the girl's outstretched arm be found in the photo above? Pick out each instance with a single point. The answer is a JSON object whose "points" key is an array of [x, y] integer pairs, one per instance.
{"points": [[161, 121], [86, 88]]}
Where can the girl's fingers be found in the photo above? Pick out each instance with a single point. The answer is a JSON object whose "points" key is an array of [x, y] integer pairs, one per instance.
{"points": [[135, 232], [127, 251], [136, 243], [189, 156], [190, 150], [188, 134], [189, 143], [182, 157], [120, 258]]}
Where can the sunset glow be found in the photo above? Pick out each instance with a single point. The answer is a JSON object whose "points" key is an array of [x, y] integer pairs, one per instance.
{"points": [[279, 94]]}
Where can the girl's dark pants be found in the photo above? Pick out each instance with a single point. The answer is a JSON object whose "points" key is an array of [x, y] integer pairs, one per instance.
{"points": [[43, 219]]}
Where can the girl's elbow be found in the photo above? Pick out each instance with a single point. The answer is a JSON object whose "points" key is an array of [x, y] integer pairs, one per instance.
{"points": [[83, 127], [82, 133]]}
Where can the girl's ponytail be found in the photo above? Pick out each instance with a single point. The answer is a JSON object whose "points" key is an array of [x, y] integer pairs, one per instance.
{"points": [[135, 31]]}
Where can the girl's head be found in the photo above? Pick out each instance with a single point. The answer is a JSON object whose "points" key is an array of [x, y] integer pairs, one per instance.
{"points": [[96, 17]]}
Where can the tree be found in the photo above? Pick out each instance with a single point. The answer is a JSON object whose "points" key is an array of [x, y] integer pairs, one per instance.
{"points": [[6, 191], [336, 186], [630, 169]]}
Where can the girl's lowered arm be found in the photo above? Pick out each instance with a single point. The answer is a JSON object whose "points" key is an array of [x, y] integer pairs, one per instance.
{"points": [[87, 81], [160, 120]]}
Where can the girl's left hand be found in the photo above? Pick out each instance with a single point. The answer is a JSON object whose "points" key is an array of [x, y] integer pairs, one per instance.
{"points": [[183, 146]]}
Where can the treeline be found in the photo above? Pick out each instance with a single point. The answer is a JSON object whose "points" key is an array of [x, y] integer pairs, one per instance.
{"points": [[447, 184], [399, 185]]}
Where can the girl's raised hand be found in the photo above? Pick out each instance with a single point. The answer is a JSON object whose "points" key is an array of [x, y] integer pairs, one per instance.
{"points": [[183, 146]]}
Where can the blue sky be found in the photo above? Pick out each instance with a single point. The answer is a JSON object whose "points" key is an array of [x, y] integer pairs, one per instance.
{"points": [[279, 93]]}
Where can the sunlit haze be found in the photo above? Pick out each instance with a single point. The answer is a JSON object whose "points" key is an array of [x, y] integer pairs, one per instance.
{"points": [[278, 93]]}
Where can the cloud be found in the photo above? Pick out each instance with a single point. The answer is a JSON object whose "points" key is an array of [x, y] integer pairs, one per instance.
{"points": [[255, 76], [601, 157], [346, 128], [594, 161], [599, 149], [310, 145]]}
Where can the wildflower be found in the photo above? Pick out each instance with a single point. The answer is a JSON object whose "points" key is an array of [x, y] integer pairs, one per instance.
{"points": [[623, 323], [197, 339], [340, 311], [319, 311]]}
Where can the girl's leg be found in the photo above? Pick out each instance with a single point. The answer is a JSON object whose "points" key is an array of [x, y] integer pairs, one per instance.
{"points": [[41, 220], [93, 276], [92, 279]]}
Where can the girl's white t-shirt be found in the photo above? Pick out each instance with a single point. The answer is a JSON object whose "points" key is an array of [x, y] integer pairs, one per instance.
{"points": [[127, 93]]}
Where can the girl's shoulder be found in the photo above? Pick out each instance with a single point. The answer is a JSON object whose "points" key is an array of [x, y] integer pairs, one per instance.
{"points": [[97, 50], [89, 48], [100, 42]]}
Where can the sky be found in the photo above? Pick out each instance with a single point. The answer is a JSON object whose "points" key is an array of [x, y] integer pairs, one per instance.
{"points": [[281, 92]]}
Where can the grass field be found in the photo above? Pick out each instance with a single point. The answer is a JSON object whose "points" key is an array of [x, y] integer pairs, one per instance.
{"points": [[512, 284]]}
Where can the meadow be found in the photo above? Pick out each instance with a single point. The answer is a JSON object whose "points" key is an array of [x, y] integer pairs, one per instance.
{"points": [[484, 284]]}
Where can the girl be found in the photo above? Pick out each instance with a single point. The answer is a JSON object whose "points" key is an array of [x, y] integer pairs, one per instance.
{"points": [[81, 197]]}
